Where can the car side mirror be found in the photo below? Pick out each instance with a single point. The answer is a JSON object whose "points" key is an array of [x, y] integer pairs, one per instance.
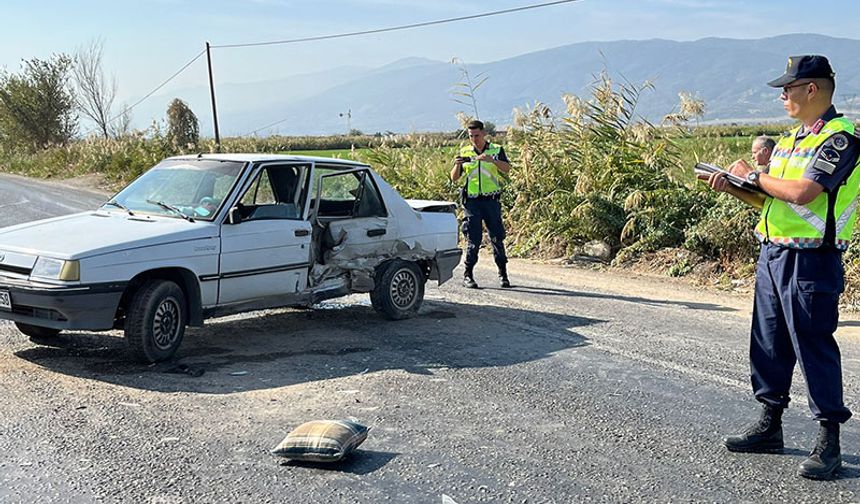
{"points": [[233, 216]]}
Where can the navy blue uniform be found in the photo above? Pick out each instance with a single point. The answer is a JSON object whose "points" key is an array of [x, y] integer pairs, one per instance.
{"points": [[796, 309], [487, 210]]}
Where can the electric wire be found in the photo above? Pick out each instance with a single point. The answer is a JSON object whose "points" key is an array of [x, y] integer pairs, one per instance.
{"points": [[328, 37], [126, 110], [383, 30], [266, 127], [395, 28]]}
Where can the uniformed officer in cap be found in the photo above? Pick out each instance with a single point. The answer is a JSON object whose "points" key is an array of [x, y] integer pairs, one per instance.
{"points": [[806, 223], [483, 163]]}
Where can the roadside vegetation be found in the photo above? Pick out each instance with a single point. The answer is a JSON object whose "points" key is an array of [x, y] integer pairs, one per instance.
{"points": [[591, 175]]}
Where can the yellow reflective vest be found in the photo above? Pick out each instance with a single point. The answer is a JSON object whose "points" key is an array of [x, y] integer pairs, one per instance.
{"points": [[804, 226], [482, 178]]}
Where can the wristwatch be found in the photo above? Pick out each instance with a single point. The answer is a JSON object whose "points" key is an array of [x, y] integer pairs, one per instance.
{"points": [[752, 177]]}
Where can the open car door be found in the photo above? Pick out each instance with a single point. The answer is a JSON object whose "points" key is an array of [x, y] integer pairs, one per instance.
{"points": [[349, 210]]}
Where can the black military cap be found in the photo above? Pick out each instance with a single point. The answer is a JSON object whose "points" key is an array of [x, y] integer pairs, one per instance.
{"points": [[808, 66]]}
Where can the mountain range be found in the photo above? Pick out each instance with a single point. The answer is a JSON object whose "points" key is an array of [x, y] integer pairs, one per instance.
{"points": [[415, 94]]}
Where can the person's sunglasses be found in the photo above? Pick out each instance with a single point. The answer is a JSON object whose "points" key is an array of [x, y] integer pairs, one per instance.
{"points": [[785, 89]]}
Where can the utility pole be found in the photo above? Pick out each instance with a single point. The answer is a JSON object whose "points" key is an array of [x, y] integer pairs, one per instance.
{"points": [[348, 116], [212, 93]]}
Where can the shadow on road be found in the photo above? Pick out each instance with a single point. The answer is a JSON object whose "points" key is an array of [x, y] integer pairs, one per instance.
{"points": [[547, 291], [266, 350], [850, 463], [359, 463]]}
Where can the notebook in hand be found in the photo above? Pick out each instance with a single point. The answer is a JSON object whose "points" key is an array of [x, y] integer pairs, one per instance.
{"points": [[739, 182]]}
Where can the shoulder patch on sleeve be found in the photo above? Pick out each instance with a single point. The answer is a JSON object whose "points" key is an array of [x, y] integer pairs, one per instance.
{"points": [[829, 154], [839, 141], [824, 165]]}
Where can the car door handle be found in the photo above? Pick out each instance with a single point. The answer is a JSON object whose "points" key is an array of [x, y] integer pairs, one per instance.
{"points": [[376, 232], [302, 232]]}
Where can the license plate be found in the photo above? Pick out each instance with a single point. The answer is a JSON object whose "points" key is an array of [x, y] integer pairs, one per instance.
{"points": [[5, 300]]}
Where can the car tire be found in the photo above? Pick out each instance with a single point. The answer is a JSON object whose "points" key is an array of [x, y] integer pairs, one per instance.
{"points": [[155, 321], [398, 289], [38, 335]]}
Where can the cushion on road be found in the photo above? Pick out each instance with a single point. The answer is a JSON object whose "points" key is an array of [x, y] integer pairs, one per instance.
{"points": [[322, 441]]}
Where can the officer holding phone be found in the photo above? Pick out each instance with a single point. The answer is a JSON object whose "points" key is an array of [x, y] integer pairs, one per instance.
{"points": [[483, 163]]}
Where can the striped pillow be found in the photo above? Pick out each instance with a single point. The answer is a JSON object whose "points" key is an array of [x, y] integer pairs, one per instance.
{"points": [[322, 441]]}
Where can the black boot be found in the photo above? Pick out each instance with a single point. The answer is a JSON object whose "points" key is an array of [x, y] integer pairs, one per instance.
{"points": [[469, 280], [503, 278], [826, 458], [764, 436]]}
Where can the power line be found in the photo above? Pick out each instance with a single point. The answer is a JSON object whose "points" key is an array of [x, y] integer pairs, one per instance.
{"points": [[395, 28], [138, 102], [266, 127], [382, 30], [328, 37]]}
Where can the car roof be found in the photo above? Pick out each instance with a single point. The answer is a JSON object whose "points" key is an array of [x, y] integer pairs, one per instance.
{"points": [[257, 158]]}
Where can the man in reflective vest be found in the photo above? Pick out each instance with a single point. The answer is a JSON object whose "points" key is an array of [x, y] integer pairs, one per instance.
{"points": [[483, 163], [806, 223]]}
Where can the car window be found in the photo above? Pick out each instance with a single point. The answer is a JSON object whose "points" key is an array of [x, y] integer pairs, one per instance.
{"points": [[275, 193], [349, 195], [260, 192], [194, 188]]}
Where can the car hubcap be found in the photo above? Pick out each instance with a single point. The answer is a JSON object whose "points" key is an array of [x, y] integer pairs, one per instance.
{"points": [[404, 289], [166, 324]]}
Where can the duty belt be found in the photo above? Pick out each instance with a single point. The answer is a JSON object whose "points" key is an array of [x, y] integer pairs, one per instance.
{"points": [[493, 196]]}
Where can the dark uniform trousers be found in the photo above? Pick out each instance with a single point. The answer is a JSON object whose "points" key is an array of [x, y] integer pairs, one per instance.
{"points": [[794, 317], [488, 210]]}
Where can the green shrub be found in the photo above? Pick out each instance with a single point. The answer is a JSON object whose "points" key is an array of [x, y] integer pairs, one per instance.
{"points": [[595, 172]]}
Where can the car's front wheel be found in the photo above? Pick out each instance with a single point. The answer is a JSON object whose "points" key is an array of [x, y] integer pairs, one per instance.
{"points": [[155, 321], [38, 335], [399, 289]]}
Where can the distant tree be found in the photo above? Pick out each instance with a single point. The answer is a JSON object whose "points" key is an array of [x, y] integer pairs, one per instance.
{"points": [[355, 132], [183, 129], [95, 95], [121, 124], [37, 105]]}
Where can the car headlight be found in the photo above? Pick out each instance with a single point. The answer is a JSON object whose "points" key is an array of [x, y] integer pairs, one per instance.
{"points": [[57, 269]]}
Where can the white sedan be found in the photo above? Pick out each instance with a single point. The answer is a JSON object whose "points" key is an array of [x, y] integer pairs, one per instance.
{"points": [[203, 236]]}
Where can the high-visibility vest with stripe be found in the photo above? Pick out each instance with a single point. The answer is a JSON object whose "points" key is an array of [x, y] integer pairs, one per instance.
{"points": [[803, 226], [482, 177]]}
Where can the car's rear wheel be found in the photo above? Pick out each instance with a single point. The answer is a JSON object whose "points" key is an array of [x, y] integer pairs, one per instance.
{"points": [[399, 289], [155, 321], [38, 335]]}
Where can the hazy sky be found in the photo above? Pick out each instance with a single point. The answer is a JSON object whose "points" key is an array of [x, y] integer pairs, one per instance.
{"points": [[145, 41]]}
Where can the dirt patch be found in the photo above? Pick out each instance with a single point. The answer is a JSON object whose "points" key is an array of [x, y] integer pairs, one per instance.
{"points": [[648, 278], [92, 182], [681, 263]]}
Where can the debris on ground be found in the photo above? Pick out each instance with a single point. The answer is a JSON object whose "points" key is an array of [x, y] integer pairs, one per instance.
{"points": [[322, 441]]}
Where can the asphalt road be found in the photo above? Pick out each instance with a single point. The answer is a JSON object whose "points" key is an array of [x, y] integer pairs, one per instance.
{"points": [[23, 199], [575, 386]]}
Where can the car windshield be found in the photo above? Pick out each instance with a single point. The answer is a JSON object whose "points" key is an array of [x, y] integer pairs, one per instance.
{"points": [[187, 189]]}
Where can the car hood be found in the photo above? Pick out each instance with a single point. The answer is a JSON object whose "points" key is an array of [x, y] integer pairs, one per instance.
{"points": [[88, 234]]}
